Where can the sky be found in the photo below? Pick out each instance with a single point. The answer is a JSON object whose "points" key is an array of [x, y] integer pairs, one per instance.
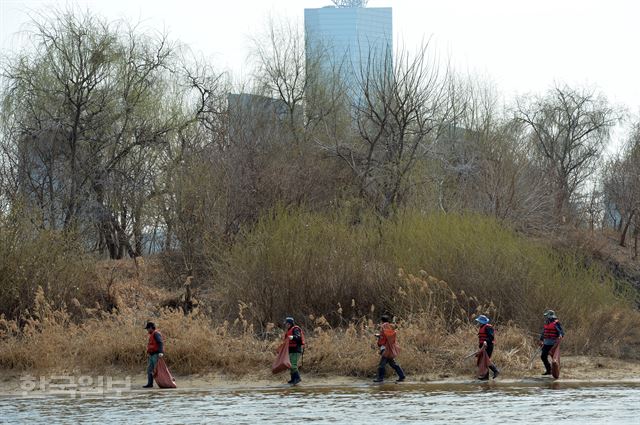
{"points": [[521, 46]]}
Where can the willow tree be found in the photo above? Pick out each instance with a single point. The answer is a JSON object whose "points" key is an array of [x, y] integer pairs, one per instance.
{"points": [[569, 128], [83, 112]]}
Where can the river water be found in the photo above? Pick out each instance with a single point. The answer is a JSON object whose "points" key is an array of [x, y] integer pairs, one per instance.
{"points": [[468, 403]]}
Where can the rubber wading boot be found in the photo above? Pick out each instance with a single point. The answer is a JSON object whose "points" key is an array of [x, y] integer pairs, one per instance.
{"points": [[485, 377], [296, 379], [495, 371], [149, 382]]}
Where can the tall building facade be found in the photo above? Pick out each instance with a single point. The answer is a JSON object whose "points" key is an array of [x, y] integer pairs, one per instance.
{"points": [[350, 40]]}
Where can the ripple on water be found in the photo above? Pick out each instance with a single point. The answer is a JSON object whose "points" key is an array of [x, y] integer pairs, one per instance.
{"points": [[458, 404]]}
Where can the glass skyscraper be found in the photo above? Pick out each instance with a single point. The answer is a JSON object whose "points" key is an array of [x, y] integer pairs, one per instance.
{"points": [[352, 40]]}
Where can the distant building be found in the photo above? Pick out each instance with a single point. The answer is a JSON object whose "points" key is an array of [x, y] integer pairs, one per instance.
{"points": [[43, 173], [350, 40], [253, 105], [256, 119], [612, 215]]}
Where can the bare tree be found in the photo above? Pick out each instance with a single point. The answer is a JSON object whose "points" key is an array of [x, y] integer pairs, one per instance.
{"points": [[397, 106], [54, 96], [592, 208], [281, 70], [295, 97], [621, 185], [569, 127], [483, 160]]}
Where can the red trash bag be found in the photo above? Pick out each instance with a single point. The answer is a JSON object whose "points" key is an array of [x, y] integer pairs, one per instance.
{"points": [[555, 360], [281, 363], [163, 377], [392, 349], [483, 362]]}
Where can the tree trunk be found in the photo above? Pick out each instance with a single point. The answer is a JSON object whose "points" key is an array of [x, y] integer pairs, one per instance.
{"points": [[623, 237], [136, 228], [168, 235], [110, 240]]}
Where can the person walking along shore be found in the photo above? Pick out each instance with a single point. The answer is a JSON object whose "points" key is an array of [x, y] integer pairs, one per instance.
{"points": [[155, 350], [388, 349], [551, 335], [295, 336], [486, 339]]}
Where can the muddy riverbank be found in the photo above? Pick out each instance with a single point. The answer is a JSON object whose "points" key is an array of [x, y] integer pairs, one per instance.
{"points": [[576, 370]]}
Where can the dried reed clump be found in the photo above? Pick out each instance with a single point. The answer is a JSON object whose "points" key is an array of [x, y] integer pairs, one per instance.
{"points": [[607, 331], [195, 343]]}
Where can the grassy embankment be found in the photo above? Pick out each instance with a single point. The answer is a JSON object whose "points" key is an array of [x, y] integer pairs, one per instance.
{"points": [[434, 273]]}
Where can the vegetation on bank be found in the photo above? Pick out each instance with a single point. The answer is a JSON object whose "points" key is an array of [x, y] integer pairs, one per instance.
{"points": [[301, 262], [336, 276], [196, 343]]}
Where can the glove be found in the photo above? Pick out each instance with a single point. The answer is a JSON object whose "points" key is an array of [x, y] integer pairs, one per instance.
{"points": [[290, 337], [382, 348], [161, 355]]}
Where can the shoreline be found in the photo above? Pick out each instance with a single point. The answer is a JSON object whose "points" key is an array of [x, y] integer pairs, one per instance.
{"points": [[190, 385], [576, 371]]}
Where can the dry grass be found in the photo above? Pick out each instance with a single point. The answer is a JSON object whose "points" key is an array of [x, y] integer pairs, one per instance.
{"points": [[434, 339], [196, 344]]}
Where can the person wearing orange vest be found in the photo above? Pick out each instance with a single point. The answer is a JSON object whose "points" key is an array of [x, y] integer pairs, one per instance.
{"points": [[155, 350], [486, 338], [294, 334], [552, 333], [382, 346]]}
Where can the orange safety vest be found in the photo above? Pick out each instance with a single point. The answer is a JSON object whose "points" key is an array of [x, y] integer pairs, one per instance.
{"points": [[386, 332], [293, 343], [153, 346], [483, 334], [550, 330]]}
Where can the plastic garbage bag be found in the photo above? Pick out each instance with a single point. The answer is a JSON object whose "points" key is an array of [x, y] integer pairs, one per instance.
{"points": [[282, 363], [483, 362], [163, 377], [555, 360]]}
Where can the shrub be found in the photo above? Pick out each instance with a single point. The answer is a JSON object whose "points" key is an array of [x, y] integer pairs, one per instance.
{"points": [[31, 257], [298, 262]]}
